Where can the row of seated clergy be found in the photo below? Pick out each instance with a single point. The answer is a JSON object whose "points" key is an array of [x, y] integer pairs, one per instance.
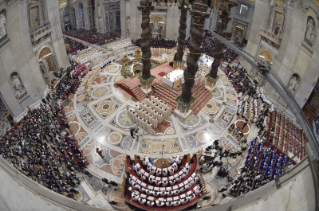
{"points": [[159, 171], [173, 189], [105, 62], [149, 115], [172, 201], [156, 105], [146, 124], [173, 159]]}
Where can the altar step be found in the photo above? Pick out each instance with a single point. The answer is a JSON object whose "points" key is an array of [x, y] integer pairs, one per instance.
{"points": [[139, 94], [168, 95], [202, 96]]}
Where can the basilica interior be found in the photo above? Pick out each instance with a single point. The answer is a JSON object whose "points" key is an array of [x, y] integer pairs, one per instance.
{"points": [[159, 105]]}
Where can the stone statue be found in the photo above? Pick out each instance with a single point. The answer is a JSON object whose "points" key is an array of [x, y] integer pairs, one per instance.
{"points": [[293, 83], [17, 86], [156, 27], [45, 66], [128, 22], [3, 30], [310, 30]]}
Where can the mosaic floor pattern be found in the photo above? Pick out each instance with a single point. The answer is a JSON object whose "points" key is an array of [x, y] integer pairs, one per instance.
{"points": [[103, 124]]}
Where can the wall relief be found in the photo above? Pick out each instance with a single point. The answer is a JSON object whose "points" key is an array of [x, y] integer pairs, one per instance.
{"points": [[3, 28], [310, 34], [293, 83], [17, 85]]}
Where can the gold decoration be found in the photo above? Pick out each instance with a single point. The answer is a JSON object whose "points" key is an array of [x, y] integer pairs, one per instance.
{"points": [[44, 52]]}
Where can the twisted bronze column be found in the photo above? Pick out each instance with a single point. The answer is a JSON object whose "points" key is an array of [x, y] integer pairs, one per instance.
{"points": [[146, 7], [199, 15], [182, 31], [218, 54]]}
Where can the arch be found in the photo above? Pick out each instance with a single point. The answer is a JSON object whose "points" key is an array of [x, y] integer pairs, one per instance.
{"points": [[266, 55], [44, 51]]}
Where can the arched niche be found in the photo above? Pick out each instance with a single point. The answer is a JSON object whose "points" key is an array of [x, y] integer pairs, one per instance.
{"points": [[47, 64], [158, 24], [19, 90]]}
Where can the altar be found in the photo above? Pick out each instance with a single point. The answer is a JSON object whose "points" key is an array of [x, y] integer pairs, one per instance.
{"points": [[174, 78]]}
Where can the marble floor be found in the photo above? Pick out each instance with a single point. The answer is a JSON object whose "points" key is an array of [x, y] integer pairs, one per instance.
{"points": [[102, 123]]}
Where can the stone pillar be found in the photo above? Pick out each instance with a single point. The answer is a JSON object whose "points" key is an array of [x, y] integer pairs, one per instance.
{"points": [[185, 101], [123, 18], [182, 31], [146, 78], [86, 16], [62, 19], [76, 15], [102, 16]]}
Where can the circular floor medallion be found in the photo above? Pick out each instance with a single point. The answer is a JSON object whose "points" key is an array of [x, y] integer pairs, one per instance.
{"points": [[115, 137]]}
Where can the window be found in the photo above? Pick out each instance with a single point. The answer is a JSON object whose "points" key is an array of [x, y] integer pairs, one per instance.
{"points": [[243, 9]]}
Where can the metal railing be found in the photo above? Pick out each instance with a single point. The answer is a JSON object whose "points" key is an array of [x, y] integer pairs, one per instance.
{"points": [[38, 28], [270, 36]]}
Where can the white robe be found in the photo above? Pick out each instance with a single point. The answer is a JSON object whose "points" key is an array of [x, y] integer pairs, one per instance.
{"points": [[160, 118], [155, 123]]}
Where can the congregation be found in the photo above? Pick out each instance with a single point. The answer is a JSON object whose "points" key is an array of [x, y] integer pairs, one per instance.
{"points": [[92, 36], [41, 147], [72, 45], [157, 43]]}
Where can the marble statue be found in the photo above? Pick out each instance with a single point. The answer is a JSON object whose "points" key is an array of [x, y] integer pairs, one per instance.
{"points": [[128, 22], [293, 83], [3, 30], [45, 65], [156, 27], [17, 86], [310, 30]]}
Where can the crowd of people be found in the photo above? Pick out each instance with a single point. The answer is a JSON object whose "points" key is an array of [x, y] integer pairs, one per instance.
{"points": [[67, 85], [41, 147], [92, 36], [215, 156], [262, 165], [73, 45], [172, 186], [157, 43]]}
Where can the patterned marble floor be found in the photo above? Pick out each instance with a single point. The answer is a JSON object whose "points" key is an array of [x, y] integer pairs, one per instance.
{"points": [[102, 123]]}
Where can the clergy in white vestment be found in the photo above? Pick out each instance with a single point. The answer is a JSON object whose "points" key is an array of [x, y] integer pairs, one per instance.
{"points": [[148, 108], [153, 105], [155, 115], [152, 112], [165, 114], [155, 123], [169, 110], [147, 116], [143, 114], [149, 128], [160, 118]]}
